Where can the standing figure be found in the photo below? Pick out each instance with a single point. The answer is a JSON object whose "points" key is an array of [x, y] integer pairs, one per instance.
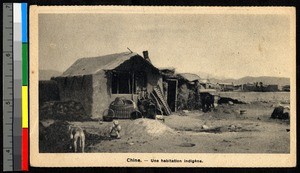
{"points": [[207, 101], [115, 130]]}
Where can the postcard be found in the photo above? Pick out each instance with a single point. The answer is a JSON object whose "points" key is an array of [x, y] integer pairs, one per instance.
{"points": [[137, 86]]}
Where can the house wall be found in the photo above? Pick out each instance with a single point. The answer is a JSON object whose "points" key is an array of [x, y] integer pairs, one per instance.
{"points": [[102, 96], [247, 87], [138, 64], [77, 88], [94, 91], [271, 88], [183, 96], [154, 80]]}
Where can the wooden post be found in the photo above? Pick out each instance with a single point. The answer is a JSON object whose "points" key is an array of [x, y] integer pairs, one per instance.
{"points": [[117, 83], [129, 84], [132, 86]]}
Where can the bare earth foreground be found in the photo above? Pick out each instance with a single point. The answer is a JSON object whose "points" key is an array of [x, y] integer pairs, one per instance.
{"points": [[223, 130]]}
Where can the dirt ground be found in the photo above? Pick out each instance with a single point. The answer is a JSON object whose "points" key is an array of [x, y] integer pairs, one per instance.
{"points": [[222, 130]]}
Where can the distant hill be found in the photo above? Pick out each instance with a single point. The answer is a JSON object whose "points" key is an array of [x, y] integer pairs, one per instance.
{"points": [[47, 74], [248, 79]]}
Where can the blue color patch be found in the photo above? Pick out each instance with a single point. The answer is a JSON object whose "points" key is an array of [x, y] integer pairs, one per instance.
{"points": [[24, 22]]}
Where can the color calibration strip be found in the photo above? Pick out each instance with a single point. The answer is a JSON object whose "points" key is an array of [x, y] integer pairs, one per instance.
{"points": [[20, 51], [25, 132], [15, 61]]}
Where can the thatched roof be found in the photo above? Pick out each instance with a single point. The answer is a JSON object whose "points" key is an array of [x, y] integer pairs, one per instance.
{"points": [[86, 66], [189, 76], [204, 81], [168, 71]]}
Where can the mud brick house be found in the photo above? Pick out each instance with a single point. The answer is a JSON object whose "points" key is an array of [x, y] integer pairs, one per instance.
{"points": [[188, 79], [96, 82], [188, 84], [178, 87]]}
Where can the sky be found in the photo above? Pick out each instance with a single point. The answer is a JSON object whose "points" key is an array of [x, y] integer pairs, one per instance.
{"points": [[230, 46]]}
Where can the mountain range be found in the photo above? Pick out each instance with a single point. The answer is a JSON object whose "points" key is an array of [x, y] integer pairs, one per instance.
{"points": [[249, 79], [47, 74]]}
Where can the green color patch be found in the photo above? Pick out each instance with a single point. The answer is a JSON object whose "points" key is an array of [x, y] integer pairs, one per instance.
{"points": [[24, 64]]}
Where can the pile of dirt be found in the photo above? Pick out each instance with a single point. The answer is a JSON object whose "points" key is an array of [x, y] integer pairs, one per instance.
{"points": [[59, 110], [54, 138], [223, 112], [147, 127]]}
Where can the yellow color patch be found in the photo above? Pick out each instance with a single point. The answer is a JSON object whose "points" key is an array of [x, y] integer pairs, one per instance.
{"points": [[24, 107]]}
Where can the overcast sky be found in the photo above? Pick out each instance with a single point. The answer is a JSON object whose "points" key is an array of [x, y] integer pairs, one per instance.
{"points": [[230, 46]]}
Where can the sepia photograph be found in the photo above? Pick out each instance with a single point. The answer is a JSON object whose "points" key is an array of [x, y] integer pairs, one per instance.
{"points": [[157, 86]]}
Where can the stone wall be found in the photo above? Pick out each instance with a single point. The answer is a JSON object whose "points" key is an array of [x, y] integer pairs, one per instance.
{"points": [[78, 89], [63, 110], [48, 91]]}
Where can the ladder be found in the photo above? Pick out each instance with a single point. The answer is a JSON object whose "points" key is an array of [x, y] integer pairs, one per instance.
{"points": [[159, 96], [158, 104]]}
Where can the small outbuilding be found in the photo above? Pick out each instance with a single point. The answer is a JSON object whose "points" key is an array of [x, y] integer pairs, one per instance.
{"points": [[170, 86], [188, 91]]}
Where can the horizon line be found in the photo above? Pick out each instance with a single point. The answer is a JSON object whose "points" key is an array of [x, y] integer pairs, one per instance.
{"points": [[215, 77]]}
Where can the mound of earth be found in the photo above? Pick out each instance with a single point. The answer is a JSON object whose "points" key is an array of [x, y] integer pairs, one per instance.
{"points": [[223, 112], [54, 138], [144, 127]]}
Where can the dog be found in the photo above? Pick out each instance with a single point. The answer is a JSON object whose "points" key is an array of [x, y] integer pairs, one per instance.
{"points": [[77, 135]]}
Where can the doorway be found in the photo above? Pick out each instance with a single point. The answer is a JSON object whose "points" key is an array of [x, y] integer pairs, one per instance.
{"points": [[172, 94]]}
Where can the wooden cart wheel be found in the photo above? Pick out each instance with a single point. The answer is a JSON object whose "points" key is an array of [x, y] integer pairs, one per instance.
{"points": [[135, 115]]}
